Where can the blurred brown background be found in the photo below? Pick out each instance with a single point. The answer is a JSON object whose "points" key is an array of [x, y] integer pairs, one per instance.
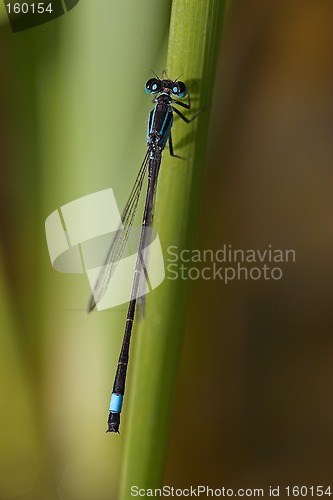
{"points": [[254, 405]]}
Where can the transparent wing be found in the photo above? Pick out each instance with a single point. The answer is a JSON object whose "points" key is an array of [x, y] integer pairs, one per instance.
{"points": [[119, 242]]}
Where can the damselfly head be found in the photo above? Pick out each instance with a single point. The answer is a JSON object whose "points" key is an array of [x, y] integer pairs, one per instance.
{"points": [[176, 88]]}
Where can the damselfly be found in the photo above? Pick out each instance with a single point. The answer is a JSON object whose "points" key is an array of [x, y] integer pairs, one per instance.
{"points": [[158, 134]]}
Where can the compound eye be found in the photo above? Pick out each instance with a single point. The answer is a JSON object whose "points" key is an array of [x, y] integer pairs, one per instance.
{"points": [[153, 86], [179, 89]]}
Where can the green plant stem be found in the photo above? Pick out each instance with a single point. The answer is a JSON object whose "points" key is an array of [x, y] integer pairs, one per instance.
{"points": [[192, 53]]}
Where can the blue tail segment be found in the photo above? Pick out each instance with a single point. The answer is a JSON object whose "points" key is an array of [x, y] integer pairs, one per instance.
{"points": [[116, 403]]}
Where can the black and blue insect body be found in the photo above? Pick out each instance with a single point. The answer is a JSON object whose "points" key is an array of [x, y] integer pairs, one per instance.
{"points": [[158, 134]]}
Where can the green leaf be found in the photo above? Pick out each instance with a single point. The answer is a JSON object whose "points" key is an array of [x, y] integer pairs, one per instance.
{"points": [[193, 46]]}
